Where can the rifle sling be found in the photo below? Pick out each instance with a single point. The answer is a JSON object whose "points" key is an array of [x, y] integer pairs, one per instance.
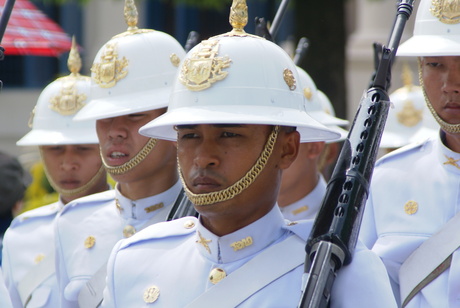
{"points": [[429, 260]]}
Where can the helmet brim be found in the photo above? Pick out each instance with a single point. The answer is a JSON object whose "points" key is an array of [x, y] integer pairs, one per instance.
{"points": [[116, 106], [430, 45], [47, 137], [163, 126]]}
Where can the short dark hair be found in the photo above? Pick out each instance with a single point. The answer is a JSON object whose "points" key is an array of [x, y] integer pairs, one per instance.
{"points": [[14, 181]]}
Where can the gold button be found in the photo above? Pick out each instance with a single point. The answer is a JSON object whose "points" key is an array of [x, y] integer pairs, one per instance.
{"points": [[90, 241], [189, 224], [411, 207], [217, 275], [39, 258], [292, 223], [151, 294], [128, 231]]}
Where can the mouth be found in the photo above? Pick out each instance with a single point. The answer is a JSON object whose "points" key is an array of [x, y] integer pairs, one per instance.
{"points": [[205, 184], [116, 158], [69, 183]]}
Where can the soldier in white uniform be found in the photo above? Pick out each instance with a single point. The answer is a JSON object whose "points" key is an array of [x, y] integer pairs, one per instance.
{"points": [[411, 219], [73, 166], [234, 113], [302, 185], [124, 98]]}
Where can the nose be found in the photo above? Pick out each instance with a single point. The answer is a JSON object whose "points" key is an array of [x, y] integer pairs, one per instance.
{"points": [[69, 161], [115, 128], [206, 154], [452, 80]]}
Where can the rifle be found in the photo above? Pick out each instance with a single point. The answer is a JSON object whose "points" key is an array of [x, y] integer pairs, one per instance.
{"points": [[301, 50], [192, 39], [261, 25], [335, 232]]}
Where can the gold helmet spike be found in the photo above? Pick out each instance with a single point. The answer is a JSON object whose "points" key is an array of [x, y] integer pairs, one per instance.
{"points": [[238, 15], [131, 15], [74, 61]]}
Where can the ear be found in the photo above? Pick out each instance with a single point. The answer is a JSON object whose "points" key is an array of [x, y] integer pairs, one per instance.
{"points": [[290, 148]]}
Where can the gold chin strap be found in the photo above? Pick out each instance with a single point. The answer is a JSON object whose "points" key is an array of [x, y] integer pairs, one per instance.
{"points": [[238, 187], [133, 162], [448, 128], [75, 191]]}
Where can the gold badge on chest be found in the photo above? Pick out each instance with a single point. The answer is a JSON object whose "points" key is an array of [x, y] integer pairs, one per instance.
{"points": [[452, 161], [238, 245], [111, 69], [204, 67], [203, 242]]}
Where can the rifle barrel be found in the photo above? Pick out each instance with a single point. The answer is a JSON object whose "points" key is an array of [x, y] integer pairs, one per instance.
{"points": [[278, 18]]}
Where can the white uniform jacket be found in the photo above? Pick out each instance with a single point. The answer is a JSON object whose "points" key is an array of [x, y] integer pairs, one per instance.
{"points": [[308, 206], [27, 242], [180, 260], [5, 300], [89, 227], [414, 192]]}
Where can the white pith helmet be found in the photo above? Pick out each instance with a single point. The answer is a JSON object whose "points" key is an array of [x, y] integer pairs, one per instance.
{"points": [[409, 120], [51, 119], [313, 104], [237, 78], [329, 109], [436, 30], [132, 72]]}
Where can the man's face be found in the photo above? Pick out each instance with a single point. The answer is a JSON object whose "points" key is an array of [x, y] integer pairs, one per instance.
{"points": [[441, 78], [72, 166], [214, 157], [120, 141]]}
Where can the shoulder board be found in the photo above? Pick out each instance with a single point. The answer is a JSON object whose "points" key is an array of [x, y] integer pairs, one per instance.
{"points": [[42, 211], [90, 200], [301, 228], [175, 228], [403, 151]]}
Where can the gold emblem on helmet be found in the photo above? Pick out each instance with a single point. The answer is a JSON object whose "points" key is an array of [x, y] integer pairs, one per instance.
{"points": [[289, 79], [308, 93], [175, 60], [204, 68], [409, 115], [110, 70], [68, 102], [447, 11]]}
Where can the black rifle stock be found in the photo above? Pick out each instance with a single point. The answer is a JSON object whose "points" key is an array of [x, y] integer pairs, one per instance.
{"points": [[335, 232]]}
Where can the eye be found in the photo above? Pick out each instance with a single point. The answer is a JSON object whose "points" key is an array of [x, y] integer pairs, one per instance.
{"points": [[229, 135], [433, 64], [188, 135]]}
